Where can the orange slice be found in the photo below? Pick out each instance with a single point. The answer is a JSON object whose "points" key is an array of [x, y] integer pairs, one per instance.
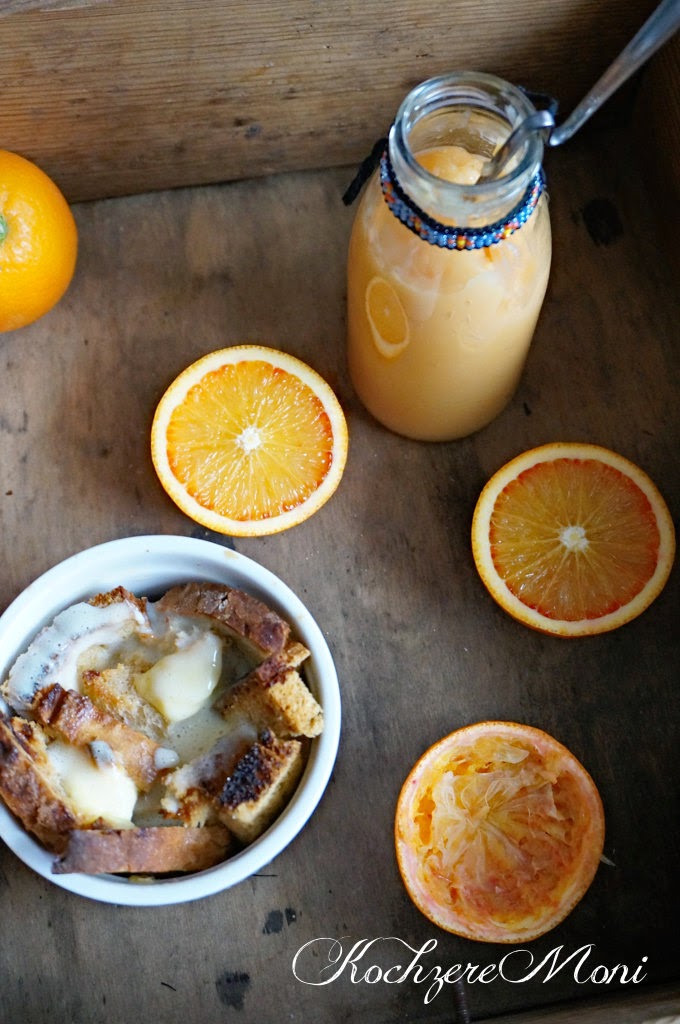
{"points": [[387, 318], [572, 539], [249, 441], [499, 831]]}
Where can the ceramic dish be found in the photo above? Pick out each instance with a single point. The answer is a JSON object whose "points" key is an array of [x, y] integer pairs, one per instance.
{"points": [[148, 566]]}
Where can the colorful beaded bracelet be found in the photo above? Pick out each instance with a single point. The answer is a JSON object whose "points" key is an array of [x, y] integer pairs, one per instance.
{"points": [[445, 236]]}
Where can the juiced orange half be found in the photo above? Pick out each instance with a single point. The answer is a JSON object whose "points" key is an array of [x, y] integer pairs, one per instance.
{"points": [[499, 831]]}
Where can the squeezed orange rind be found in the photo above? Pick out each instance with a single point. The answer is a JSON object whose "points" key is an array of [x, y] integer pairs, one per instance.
{"points": [[499, 831]]}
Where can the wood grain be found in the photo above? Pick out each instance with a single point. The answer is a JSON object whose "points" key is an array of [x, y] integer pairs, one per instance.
{"points": [[132, 95], [661, 1007], [21, 6], [386, 569], [657, 126]]}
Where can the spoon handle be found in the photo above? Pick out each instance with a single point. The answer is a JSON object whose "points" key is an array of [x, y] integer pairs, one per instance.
{"points": [[659, 27]]}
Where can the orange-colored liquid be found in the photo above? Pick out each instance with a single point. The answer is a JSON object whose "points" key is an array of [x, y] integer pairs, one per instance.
{"points": [[437, 339]]}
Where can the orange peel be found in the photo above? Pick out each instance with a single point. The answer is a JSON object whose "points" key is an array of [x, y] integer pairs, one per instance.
{"points": [[499, 831]]}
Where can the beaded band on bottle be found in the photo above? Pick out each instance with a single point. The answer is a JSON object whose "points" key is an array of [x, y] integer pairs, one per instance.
{"points": [[445, 236]]}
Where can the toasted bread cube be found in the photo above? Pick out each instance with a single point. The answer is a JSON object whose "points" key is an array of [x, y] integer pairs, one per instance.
{"points": [[283, 703], [274, 697], [75, 718], [259, 786], [29, 786], [154, 850], [191, 789], [77, 638], [113, 690]]}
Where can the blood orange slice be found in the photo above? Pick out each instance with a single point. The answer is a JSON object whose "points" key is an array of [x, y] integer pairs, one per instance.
{"points": [[572, 539]]}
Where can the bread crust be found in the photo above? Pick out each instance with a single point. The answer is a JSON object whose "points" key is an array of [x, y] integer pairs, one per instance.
{"points": [[154, 850], [119, 595], [27, 787], [239, 615], [73, 717], [260, 786]]}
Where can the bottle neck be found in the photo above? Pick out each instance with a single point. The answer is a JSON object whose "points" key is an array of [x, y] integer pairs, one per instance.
{"points": [[474, 113]]}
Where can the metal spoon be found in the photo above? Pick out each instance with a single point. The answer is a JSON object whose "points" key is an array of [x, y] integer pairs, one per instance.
{"points": [[658, 28]]}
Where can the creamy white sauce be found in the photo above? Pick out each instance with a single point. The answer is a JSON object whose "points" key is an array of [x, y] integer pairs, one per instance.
{"points": [[199, 734], [180, 684], [101, 790], [54, 654]]}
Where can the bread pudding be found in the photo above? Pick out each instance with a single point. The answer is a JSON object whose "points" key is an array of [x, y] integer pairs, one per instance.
{"points": [[151, 737]]}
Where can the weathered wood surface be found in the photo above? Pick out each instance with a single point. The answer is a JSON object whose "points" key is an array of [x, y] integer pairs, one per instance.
{"points": [[637, 1008], [9, 7], [658, 125], [386, 569], [125, 96]]}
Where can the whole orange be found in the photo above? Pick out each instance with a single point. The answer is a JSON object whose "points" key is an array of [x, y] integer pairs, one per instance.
{"points": [[38, 242]]}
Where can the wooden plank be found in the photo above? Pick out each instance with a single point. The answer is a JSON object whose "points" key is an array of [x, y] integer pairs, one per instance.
{"points": [[660, 1006], [21, 6], [133, 95], [657, 126]]}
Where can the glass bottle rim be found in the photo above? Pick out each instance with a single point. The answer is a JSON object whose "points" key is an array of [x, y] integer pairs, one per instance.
{"points": [[471, 89]]}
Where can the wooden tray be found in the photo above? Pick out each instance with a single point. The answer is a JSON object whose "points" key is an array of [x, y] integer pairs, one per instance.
{"points": [[386, 569]]}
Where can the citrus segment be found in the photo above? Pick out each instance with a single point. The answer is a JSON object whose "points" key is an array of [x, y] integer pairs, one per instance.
{"points": [[249, 441], [386, 316], [499, 831], [38, 242], [572, 539]]}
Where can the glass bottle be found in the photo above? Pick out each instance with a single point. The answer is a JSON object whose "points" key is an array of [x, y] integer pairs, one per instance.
{"points": [[446, 276]]}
